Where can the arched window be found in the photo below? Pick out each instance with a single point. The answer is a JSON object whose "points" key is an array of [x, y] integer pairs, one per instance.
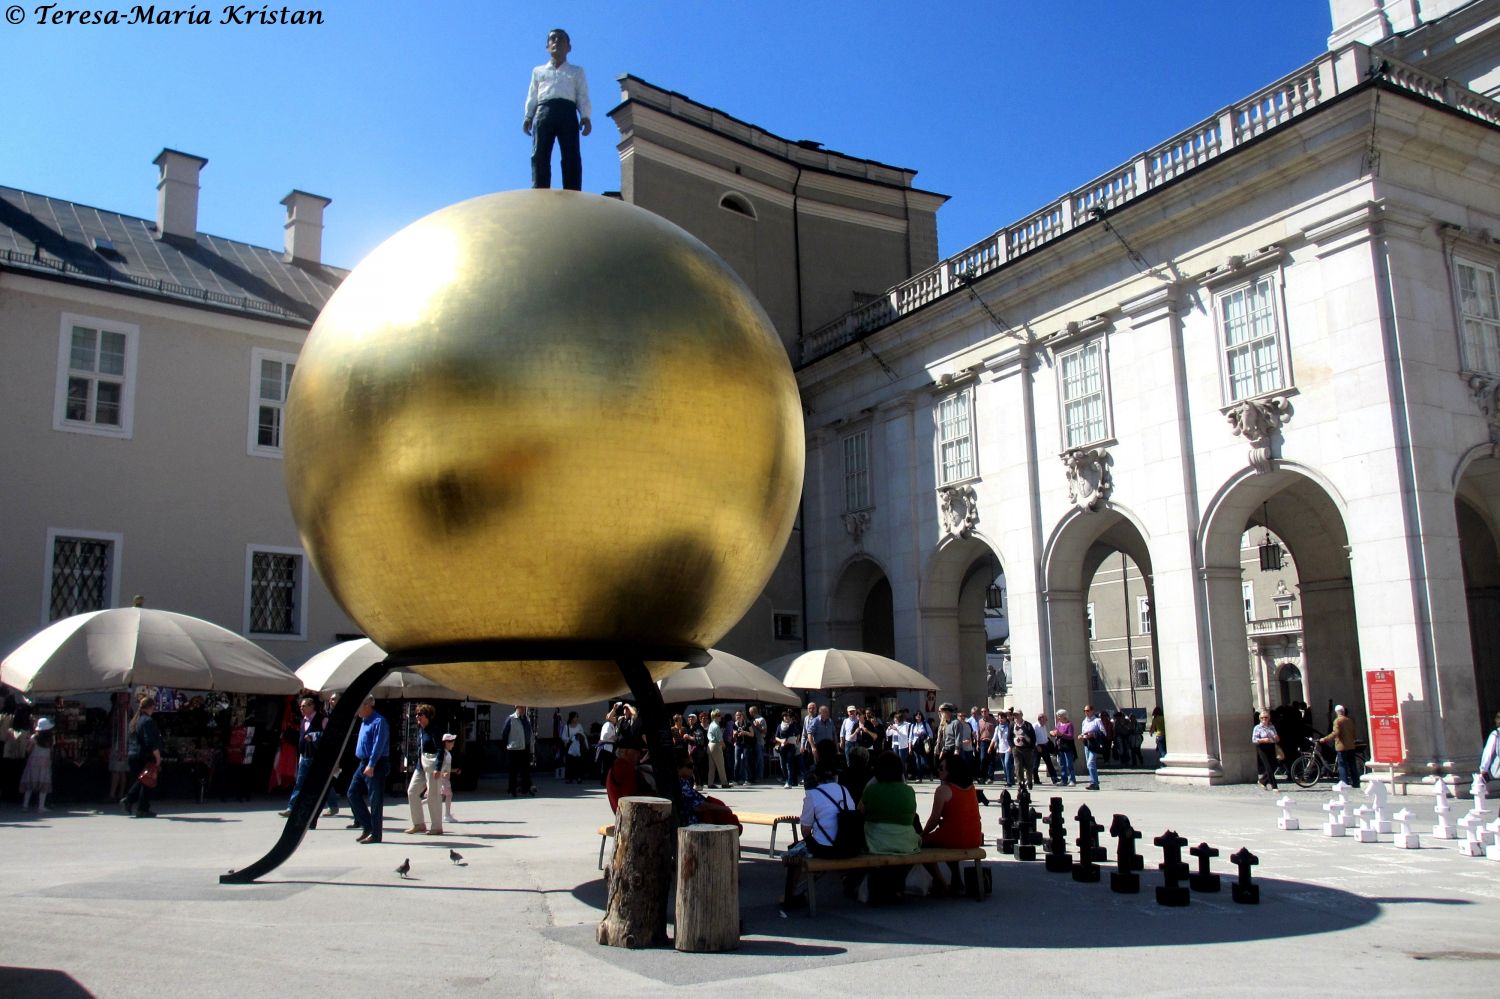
{"points": [[735, 202], [1289, 677]]}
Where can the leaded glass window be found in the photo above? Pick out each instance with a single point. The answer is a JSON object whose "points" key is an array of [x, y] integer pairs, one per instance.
{"points": [[80, 576], [955, 438], [1480, 315], [1082, 374], [274, 580], [1252, 340]]}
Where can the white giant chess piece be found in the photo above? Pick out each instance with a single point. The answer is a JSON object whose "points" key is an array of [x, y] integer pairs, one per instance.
{"points": [[1288, 821], [1479, 814], [1473, 830], [1405, 838], [1366, 830], [1492, 833], [1378, 795], [1443, 811], [1336, 808]]}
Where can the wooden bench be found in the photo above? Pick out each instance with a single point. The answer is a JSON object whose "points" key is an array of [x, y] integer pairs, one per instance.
{"points": [[813, 866], [746, 818], [775, 822]]}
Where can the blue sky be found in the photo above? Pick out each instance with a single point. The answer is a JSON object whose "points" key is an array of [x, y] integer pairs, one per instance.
{"points": [[394, 108]]}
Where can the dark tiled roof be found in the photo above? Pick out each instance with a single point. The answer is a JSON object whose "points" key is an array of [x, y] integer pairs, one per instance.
{"points": [[56, 238]]}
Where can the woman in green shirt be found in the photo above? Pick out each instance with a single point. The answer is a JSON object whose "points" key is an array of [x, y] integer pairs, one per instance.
{"points": [[890, 809]]}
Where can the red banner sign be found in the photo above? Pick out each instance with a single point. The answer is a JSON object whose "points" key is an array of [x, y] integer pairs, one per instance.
{"points": [[1380, 693], [1385, 740]]}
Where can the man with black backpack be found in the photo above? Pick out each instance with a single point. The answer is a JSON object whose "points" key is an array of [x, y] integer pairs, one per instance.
{"points": [[831, 827]]}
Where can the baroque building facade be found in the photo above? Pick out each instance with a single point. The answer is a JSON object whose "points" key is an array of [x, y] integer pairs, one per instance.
{"points": [[1282, 318], [148, 364]]}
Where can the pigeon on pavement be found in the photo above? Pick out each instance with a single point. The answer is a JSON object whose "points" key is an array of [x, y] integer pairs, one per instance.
{"points": [[455, 856], [405, 867]]}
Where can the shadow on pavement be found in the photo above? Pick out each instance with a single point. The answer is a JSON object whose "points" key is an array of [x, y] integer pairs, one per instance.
{"points": [[1287, 909], [41, 983]]}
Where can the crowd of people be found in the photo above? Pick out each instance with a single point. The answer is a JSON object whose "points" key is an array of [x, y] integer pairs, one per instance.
{"points": [[742, 748]]}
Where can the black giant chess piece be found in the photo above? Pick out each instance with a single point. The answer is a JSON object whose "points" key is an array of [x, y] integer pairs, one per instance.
{"points": [[1087, 868], [1056, 848], [1173, 870], [1009, 820], [1124, 880], [1242, 891], [1205, 880], [1029, 836]]}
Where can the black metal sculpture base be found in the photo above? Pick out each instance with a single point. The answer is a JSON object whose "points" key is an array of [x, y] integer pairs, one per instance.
{"points": [[632, 663]]}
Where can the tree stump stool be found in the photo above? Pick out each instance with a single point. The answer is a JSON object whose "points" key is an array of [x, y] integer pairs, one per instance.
{"points": [[640, 874], [708, 888]]}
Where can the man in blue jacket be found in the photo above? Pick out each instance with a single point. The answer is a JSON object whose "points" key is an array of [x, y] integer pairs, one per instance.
{"points": [[372, 763]]}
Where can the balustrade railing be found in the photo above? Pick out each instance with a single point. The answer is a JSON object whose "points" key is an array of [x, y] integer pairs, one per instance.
{"points": [[1267, 109], [1275, 625]]}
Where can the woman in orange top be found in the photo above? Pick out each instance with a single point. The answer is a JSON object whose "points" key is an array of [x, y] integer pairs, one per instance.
{"points": [[954, 822]]}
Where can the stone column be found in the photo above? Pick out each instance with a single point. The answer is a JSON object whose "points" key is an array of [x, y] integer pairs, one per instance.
{"points": [[941, 651], [1330, 642], [1226, 702], [1068, 686], [895, 527]]}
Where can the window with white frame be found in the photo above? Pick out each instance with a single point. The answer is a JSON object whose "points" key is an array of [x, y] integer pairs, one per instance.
{"points": [[1143, 611], [82, 572], [786, 626], [955, 437], [857, 471], [1089, 612], [1479, 311], [1254, 349], [95, 376], [275, 588], [270, 378], [1247, 594], [1142, 672], [1081, 374]]}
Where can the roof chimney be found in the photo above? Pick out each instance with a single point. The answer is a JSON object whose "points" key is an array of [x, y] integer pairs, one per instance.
{"points": [[304, 227], [177, 194]]}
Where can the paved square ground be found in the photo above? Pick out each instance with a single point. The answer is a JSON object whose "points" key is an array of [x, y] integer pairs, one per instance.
{"points": [[99, 904]]}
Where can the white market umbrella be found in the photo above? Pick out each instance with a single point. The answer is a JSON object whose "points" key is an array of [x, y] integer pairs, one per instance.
{"points": [[725, 678], [138, 646], [333, 669], [840, 669]]}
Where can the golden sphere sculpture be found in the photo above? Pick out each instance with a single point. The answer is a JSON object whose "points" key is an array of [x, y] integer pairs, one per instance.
{"points": [[543, 415]]}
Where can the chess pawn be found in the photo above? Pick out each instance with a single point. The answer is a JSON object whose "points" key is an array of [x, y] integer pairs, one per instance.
{"points": [[1492, 833], [1443, 811], [1288, 821], [1377, 794], [1405, 838], [1244, 891], [1366, 828], [1335, 809], [1473, 829]]}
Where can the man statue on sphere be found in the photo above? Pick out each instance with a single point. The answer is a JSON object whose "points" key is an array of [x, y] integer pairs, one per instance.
{"points": [[557, 109]]}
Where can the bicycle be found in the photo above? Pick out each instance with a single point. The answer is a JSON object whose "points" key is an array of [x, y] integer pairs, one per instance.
{"points": [[1320, 762]]}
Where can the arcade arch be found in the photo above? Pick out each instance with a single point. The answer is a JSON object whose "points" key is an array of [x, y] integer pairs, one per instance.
{"points": [[1080, 546], [1477, 506], [955, 627], [861, 613], [1304, 515]]}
